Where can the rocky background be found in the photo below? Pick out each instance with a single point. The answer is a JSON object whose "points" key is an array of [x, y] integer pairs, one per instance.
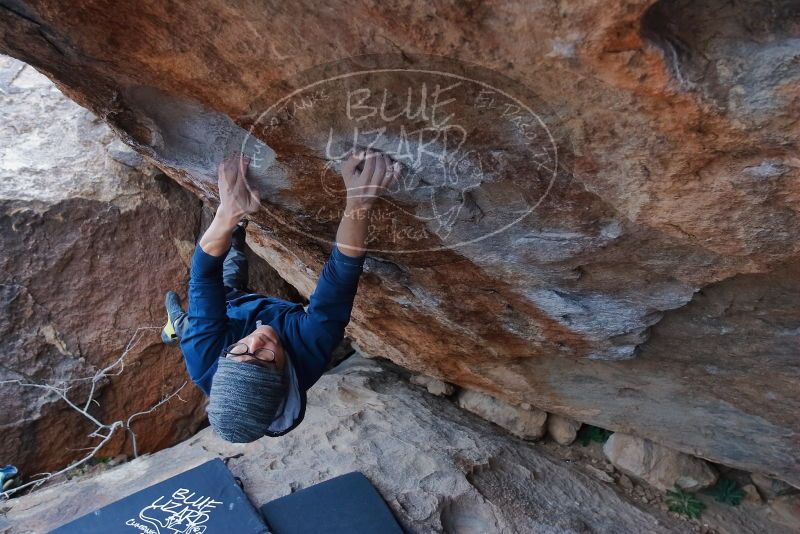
{"points": [[442, 469], [653, 292], [91, 238]]}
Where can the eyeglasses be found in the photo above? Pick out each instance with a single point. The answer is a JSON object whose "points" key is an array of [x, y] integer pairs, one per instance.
{"points": [[241, 349]]}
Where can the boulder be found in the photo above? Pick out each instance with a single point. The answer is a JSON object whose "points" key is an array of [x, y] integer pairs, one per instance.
{"points": [[599, 474], [439, 469], [433, 385], [771, 487], [751, 494], [787, 510], [524, 422], [660, 466], [563, 430], [82, 232], [608, 230]]}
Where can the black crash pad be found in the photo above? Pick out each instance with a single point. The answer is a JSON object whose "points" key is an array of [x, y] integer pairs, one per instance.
{"points": [[203, 500], [347, 504]]}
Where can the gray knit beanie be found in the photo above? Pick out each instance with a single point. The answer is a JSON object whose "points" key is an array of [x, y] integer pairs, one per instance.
{"points": [[244, 399]]}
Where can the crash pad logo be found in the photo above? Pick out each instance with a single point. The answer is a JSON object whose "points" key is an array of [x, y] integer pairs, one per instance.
{"points": [[476, 151], [183, 512]]}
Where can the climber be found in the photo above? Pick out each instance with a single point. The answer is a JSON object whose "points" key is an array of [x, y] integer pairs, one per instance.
{"points": [[255, 356]]}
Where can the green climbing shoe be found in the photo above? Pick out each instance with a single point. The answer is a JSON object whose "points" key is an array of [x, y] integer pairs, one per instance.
{"points": [[169, 334]]}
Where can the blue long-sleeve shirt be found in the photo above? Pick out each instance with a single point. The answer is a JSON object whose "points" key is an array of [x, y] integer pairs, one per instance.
{"points": [[308, 337]]}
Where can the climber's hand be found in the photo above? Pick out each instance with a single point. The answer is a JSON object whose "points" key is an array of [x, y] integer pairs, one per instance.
{"points": [[366, 185], [237, 198]]}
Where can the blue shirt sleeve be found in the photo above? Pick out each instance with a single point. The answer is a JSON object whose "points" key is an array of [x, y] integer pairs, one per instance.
{"points": [[207, 322], [321, 328]]}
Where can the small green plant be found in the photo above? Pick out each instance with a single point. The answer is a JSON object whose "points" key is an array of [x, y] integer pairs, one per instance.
{"points": [[682, 502], [589, 433], [727, 492]]}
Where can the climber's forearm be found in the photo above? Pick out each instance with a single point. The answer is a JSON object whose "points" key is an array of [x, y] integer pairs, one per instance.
{"points": [[350, 237], [352, 233], [217, 238]]}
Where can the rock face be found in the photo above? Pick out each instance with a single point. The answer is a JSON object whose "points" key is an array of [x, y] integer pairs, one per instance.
{"points": [[442, 470], [660, 466], [787, 510], [434, 386], [562, 429], [81, 233], [527, 423], [771, 488], [612, 235]]}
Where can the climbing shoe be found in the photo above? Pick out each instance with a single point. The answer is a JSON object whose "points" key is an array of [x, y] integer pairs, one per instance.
{"points": [[9, 477], [169, 334]]}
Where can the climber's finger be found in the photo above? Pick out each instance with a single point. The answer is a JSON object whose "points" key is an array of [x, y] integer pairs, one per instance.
{"points": [[244, 164], [349, 166], [229, 168], [369, 166], [380, 169], [223, 171], [249, 196], [391, 176], [383, 179]]}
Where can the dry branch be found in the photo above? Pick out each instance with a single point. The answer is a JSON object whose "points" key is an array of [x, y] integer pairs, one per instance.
{"points": [[103, 431]]}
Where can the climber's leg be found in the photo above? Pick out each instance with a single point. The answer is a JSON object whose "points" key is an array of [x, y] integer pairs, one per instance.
{"points": [[234, 277], [234, 268]]}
